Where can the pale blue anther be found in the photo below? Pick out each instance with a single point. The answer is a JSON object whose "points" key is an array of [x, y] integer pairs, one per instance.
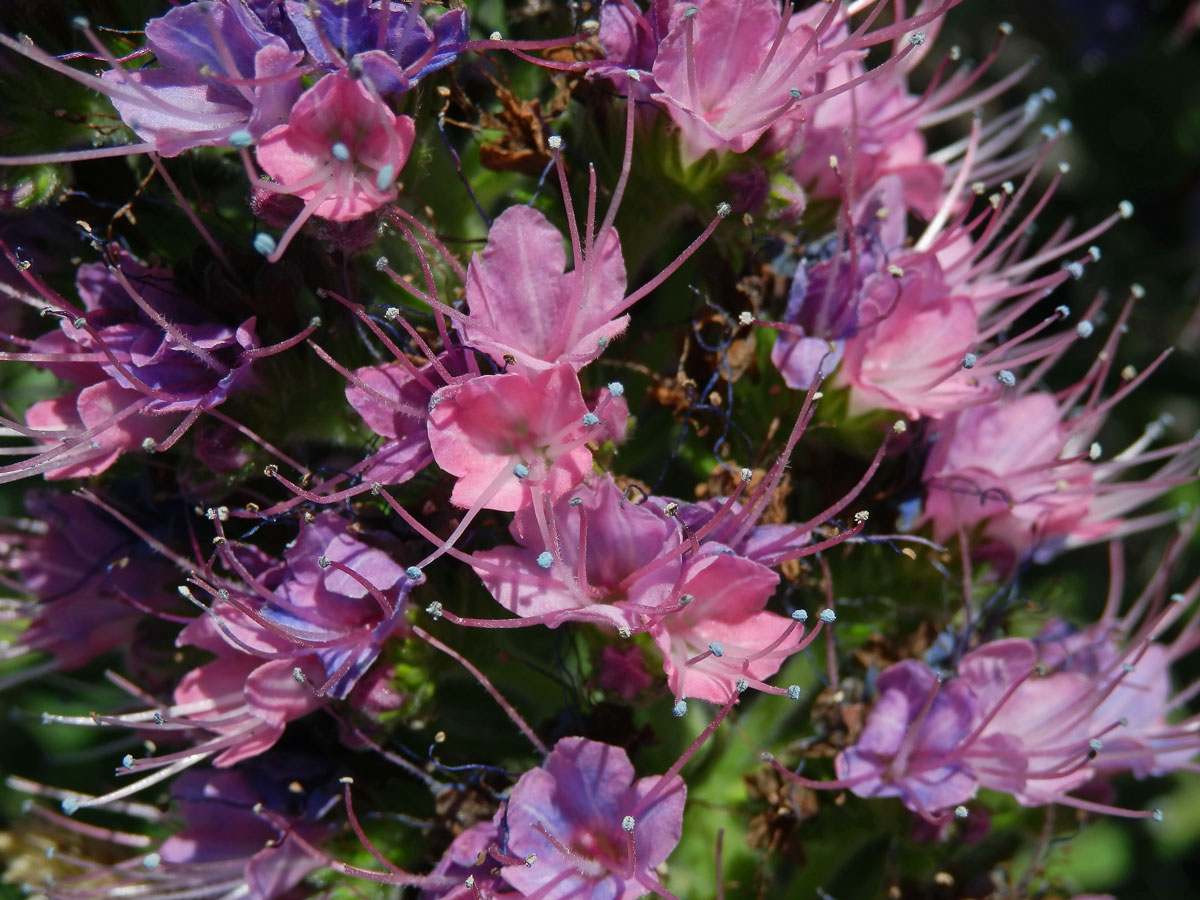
{"points": [[386, 176], [616, 388], [241, 139], [828, 616], [414, 573], [679, 710], [793, 692], [340, 152], [591, 419], [264, 243], [716, 649], [545, 559], [521, 470], [800, 615]]}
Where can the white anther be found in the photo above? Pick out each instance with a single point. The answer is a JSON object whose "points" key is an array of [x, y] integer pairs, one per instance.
{"points": [[1094, 451], [1137, 291], [555, 142], [392, 313], [724, 209], [1125, 208], [1084, 329], [627, 824], [746, 318], [895, 271], [969, 361], [861, 516], [746, 475], [434, 609], [1006, 378]]}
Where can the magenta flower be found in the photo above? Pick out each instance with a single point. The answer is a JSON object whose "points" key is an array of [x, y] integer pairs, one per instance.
{"points": [[727, 70], [505, 436], [1028, 472], [723, 635], [599, 551], [340, 152], [590, 828], [523, 304]]}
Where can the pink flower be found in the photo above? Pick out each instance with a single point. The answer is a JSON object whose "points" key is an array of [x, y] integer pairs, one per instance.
{"points": [[523, 304], [596, 545], [908, 354], [340, 152], [724, 635], [1023, 470], [1035, 719], [581, 816], [728, 70], [506, 435]]}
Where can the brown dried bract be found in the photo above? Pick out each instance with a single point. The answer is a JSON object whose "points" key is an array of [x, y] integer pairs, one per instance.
{"points": [[838, 717], [784, 805]]}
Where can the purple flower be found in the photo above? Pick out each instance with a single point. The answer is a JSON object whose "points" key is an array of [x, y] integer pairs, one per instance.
{"points": [[88, 575], [582, 814], [389, 41], [909, 746], [148, 361], [220, 72]]}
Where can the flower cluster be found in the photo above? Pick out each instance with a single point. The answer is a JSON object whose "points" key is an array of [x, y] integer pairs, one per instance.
{"points": [[426, 524]]}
